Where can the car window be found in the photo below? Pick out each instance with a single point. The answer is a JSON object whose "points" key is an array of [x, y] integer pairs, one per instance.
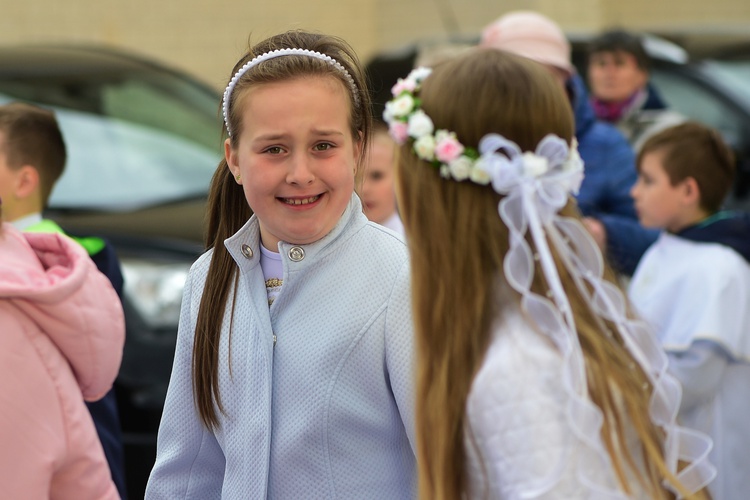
{"points": [[119, 165], [136, 138], [164, 103], [696, 102]]}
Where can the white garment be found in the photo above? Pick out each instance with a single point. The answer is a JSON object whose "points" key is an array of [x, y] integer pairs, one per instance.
{"points": [[394, 223], [325, 413], [518, 440], [697, 297]]}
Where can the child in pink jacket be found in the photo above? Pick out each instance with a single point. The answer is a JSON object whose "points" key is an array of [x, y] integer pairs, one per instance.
{"points": [[57, 315]]}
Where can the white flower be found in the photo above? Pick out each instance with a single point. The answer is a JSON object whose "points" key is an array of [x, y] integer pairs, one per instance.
{"points": [[400, 106], [425, 147], [420, 124], [445, 172], [420, 73], [479, 173], [533, 165], [460, 168]]}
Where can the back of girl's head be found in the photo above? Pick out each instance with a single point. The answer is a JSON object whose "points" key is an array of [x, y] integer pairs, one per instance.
{"points": [[484, 91], [694, 150], [457, 239]]}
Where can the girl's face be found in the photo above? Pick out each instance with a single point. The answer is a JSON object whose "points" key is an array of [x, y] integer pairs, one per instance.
{"points": [[378, 194], [296, 157], [615, 76], [659, 204]]}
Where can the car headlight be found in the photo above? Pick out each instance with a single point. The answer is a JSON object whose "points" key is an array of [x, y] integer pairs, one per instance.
{"points": [[155, 290]]}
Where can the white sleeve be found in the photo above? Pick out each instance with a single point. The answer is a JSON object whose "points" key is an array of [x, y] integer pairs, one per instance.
{"points": [[700, 370], [189, 461]]}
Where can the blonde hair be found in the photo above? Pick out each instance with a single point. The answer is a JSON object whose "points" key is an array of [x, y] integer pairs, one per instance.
{"points": [[455, 286]]}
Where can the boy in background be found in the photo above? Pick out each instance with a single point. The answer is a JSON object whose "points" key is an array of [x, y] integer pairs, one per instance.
{"points": [[693, 286], [32, 159]]}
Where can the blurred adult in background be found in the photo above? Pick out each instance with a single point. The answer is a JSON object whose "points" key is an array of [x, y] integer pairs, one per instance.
{"points": [[378, 192], [618, 75], [604, 198], [62, 335], [32, 159]]}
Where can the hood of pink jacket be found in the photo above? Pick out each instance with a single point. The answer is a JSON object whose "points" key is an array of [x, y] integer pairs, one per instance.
{"points": [[51, 279]]}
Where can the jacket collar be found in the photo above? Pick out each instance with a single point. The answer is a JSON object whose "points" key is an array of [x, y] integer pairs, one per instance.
{"points": [[244, 245]]}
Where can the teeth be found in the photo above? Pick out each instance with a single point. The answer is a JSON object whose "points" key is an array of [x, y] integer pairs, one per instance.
{"points": [[303, 201]]}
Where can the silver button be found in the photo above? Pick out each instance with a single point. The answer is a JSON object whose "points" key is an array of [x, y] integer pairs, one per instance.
{"points": [[296, 254], [247, 251]]}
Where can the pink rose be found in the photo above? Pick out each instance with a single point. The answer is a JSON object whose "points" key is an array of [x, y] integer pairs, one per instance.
{"points": [[448, 149], [399, 131], [403, 85]]}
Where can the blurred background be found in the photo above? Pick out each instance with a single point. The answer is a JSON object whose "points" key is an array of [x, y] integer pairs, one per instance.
{"points": [[137, 85], [206, 38]]}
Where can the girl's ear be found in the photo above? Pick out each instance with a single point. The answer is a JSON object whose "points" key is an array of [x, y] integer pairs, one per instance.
{"points": [[358, 145], [230, 155]]}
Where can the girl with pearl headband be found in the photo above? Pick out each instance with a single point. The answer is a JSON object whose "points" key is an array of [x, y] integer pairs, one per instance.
{"points": [[533, 379], [293, 367]]}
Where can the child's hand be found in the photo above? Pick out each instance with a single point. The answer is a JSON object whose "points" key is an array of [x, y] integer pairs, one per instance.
{"points": [[597, 230]]}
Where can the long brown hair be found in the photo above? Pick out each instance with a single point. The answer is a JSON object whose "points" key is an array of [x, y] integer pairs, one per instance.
{"points": [[228, 210], [455, 290]]}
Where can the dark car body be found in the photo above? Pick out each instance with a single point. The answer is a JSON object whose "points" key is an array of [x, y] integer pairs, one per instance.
{"points": [[143, 141]]}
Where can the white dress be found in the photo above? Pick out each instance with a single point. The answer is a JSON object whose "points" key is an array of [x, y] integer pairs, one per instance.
{"points": [[518, 440], [697, 297]]}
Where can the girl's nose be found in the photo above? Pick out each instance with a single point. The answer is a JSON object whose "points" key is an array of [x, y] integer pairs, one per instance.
{"points": [[300, 172]]}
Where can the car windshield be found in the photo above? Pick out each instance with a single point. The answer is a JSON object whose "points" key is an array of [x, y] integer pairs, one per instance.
{"points": [[134, 139]]}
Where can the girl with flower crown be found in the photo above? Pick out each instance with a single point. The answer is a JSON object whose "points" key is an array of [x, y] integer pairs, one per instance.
{"points": [[533, 380], [292, 375]]}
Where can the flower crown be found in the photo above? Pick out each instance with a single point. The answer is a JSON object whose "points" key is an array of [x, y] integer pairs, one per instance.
{"points": [[406, 120], [535, 187]]}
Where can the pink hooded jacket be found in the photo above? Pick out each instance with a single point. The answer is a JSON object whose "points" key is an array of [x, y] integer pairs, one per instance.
{"points": [[61, 338]]}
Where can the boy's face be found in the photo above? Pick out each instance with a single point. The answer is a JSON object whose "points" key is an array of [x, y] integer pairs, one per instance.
{"points": [[659, 204], [615, 76]]}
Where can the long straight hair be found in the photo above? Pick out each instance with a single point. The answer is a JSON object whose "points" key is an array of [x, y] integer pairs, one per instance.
{"points": [[458, 242], [228, 210]]}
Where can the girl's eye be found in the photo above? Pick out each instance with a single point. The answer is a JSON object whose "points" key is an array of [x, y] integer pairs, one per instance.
{"points": [[376, 176], [274, 150], [323, 146]]}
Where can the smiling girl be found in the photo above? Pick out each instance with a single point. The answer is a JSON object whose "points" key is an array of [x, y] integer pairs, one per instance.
{"points": [[293, 368]]}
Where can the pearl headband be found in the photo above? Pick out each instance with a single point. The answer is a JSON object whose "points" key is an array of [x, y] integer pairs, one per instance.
{"points": [[278, 53]]}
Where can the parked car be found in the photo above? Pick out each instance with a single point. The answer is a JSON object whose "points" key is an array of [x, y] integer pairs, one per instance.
{"points": [[713, 90], [143, 142]]}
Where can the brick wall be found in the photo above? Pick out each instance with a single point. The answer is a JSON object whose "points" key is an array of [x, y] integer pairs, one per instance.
{"points": [[206, 38]]}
